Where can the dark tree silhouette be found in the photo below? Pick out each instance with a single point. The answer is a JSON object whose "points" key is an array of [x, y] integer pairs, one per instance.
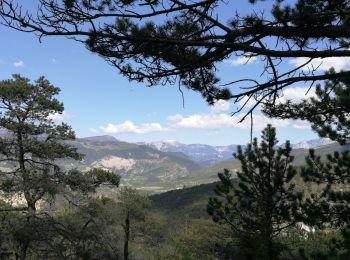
{"points": [[332, 205], [262, 202], [176, 41]]}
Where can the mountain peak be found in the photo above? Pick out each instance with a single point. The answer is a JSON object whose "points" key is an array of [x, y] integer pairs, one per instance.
{"points": [[314, 143], [101, 138]]}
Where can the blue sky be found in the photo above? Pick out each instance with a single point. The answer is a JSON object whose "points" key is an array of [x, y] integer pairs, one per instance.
{"points": [[100, 101]]}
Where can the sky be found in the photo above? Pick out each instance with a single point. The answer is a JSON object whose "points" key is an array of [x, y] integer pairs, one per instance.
{"points": [[99, 101]]}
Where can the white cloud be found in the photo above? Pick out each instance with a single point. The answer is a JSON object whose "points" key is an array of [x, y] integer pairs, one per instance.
{"points": [[241, 61], [294, 94], [129, 127], [60, 117], [217, 121], [19, 63], [220, 106], [201, 121], [300, 124], [338, 63]]}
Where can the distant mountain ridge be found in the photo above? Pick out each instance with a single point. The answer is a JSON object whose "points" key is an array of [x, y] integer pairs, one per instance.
{"points": [[161, 166], [101, 138], [207, 155], [314, 143], [203, 154]]}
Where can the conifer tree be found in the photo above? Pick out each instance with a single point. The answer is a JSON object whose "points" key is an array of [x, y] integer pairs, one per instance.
{"points": [[183, 42], [262, 202], [31, 145], [32, 142], [332, 205], [132, 208]]}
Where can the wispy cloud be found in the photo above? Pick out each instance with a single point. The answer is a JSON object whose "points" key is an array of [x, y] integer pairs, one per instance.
{"points": [[220, 106], [18, 64], [241, 61], [338, 63], [129, 127]]}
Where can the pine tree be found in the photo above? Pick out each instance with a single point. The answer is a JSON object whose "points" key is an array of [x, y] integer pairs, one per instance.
{"points": [[31, 145], [32, 142], [332, 205], [182, 42], [262, 203], [329, 207], [132, 208]]}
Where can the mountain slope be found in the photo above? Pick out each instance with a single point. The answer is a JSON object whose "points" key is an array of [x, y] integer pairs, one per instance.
{"points": [[190, 202], [139, 166], [202, 154], [207, 155], [209, 174], [155, 171]]}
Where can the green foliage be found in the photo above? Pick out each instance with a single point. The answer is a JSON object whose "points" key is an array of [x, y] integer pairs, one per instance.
{"points": [[33, 142], [132, 211], [87, 182], [133, 203], [314, 245], [264, 203], [88, 231], [201, 238], [304, 13], [190, 202], [31, 148], [332, 206]]}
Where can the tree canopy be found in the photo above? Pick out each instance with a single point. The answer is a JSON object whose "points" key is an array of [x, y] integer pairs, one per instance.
{"points": [[175, 41], [32, 146], [264, 202]]}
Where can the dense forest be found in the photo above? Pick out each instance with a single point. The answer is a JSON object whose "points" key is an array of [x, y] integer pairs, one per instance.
{"points": [[269, 207]]}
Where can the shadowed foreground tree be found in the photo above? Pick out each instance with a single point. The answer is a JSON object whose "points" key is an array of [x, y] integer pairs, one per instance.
{"points": [[176, 41], [31, 145], [334, 172], [262, 203], [331, 207], [132, 209]]}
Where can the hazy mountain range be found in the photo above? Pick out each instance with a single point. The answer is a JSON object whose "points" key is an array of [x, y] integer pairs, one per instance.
{"points": [[207, 155], [167, 165], [202, 154]]}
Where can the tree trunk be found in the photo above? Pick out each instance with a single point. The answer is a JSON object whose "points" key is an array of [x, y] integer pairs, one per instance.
{"points": [[270, 250], [27, 195], [24, 248], [127, 236]]}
